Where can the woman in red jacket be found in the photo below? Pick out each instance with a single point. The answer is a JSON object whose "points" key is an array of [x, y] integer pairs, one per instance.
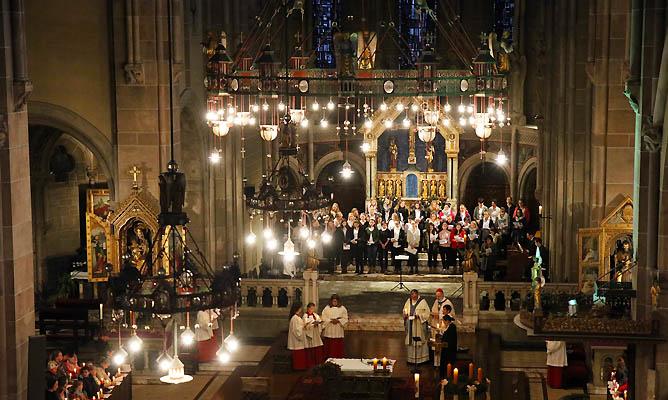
{"points": [[458, 240]]}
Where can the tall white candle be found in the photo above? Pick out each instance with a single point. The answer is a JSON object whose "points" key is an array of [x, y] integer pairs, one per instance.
{"points": [[417, 386], [101, 311]]}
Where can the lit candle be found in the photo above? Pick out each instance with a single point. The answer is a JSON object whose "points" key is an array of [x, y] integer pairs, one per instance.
{"points": [[479, 374], [384, 362], [470, 370], [456, 376], [119, 371], [449, 370], [101, 313], [417, 386], [540, 210], [375, 364]]}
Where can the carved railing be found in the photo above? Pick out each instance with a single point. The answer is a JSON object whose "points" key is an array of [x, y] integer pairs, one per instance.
{"points": [[482, 297], [279, 293]]}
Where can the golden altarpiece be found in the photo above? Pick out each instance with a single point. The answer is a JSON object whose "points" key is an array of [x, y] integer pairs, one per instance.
{"points": [[607, 245]]}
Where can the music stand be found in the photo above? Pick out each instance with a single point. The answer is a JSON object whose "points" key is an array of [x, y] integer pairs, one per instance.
{"points": [[400, 285]]}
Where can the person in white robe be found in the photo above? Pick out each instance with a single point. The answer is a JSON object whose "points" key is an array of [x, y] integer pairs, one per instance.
{"points": [[296, 338], [312, 341], [334, 317], [416, 317]]}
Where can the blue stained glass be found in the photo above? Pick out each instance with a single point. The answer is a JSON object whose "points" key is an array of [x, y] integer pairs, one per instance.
{"points": [[324, 13], [416, 27], [504, 12]]}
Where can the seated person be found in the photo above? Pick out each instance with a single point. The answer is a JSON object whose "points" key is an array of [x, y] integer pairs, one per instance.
{"points": [[90, 387]]}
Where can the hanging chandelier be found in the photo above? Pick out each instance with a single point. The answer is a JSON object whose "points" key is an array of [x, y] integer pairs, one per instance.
{"points": [[175, 277]]}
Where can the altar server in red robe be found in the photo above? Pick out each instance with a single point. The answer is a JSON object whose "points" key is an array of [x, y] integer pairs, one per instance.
{"points": [[296, 338], [315, 351], [334, 318]]}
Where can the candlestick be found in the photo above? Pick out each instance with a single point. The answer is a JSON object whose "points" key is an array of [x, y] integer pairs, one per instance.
{"points": [[384, 362], [417, 386], [375, 364], [470, 370], [480, 375], [456, 376], [449, 370]]}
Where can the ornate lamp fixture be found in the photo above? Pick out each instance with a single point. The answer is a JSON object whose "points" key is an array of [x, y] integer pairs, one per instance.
{"points": [[175, 277]]}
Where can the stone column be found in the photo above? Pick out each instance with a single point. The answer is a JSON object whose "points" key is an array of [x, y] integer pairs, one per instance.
{"points": [[370, 176], [471, 300], [16, 240], [453, 174], [310, 294]]}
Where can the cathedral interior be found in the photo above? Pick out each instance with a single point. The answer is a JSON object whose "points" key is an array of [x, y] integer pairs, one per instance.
{"points": [[224, 199]]}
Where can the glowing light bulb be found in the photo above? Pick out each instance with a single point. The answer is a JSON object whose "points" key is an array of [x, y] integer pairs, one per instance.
{"points": [[250, 238], [366, 146], [231, 110], [303, 232], [472, 120], [469, 109], [187, 337], [447, 107], [119, 356], [272, 244], [461, 108], [267, 233], [255, 108], [400, 107], [164, 361], [501, 158], [446, 121], [310, 243], [315, 106], [281, 106], [383, 106], [211, 116], [232, 343], [252, 121], [490, 109], [388, 123], [330, 105], [323, 123], [223, 355], [406, 123], [367, 123], [415, 107], [265, 107], [462, 121], [326, 237], [135, 343], [304, 123], [214, 157]]}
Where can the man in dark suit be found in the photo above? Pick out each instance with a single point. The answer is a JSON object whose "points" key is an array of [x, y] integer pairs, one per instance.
{"points": [[449, 344]]}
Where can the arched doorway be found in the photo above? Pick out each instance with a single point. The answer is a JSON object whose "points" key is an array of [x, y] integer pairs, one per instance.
{"points": [[486, 180], [528, 195], [348, 193]]}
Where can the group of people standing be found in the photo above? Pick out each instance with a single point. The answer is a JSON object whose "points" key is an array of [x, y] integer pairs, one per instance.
{"points": [[313, 338], [374, 238]]}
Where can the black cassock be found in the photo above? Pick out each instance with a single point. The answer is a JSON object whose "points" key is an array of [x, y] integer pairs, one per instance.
{"points": [[449, 349]]}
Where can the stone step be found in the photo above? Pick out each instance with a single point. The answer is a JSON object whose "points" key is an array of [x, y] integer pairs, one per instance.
{"points": [[388, 323]]}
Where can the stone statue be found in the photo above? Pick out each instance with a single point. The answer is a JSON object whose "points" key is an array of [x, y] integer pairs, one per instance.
{"points": [[394, 154], [138, 247], [381, 188], [623, 259], [429, 156], [425, 189], [441, 189], [469, 263], [655, 291], [538, 287], [389, 187], [172, 190], [432, 188], [399, 192]]}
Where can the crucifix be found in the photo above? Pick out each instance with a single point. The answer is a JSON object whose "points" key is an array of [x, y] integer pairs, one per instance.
{"points": [[135, 172]]}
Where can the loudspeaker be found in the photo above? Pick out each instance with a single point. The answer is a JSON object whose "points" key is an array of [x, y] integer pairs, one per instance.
{"points": [[37, 359]]}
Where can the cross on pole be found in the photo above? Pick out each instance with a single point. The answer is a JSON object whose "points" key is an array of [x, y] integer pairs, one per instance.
{"points": [[135, 172]]}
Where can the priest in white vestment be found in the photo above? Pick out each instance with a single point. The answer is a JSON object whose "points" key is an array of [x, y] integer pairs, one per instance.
{"points": [[416, 316]]}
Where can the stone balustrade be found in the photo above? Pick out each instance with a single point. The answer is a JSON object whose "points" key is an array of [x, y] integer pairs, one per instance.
{"points": [[279, 293], [482, 297]]}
